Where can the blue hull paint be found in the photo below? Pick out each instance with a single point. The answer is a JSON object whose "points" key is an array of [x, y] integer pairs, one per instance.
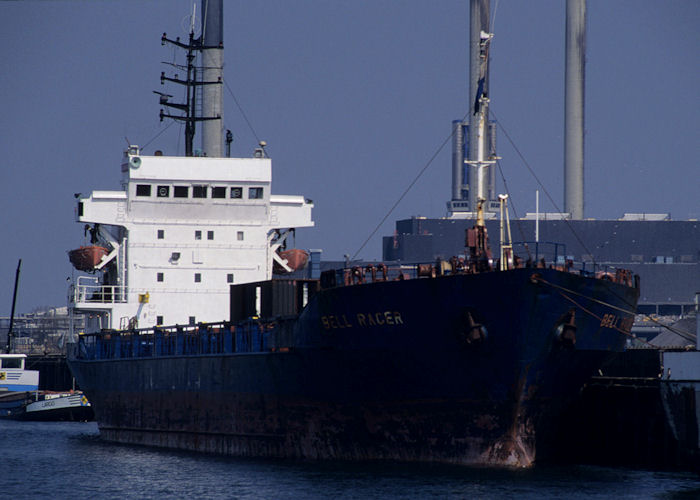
{"points": [[19, 388], [372, 371]]}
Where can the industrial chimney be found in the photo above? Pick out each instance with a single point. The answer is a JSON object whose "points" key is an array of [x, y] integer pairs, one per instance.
{"points": [[574, 106]]}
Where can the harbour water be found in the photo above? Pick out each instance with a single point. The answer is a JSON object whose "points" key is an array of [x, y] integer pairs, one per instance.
{"points": [[68, 459]]}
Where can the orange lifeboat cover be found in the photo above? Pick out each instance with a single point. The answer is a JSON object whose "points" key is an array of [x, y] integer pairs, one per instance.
{"points": [[296, 259], [86, 258]]}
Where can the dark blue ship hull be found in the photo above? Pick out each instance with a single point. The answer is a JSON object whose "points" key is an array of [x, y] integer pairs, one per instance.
{"points": [[466, 368]]}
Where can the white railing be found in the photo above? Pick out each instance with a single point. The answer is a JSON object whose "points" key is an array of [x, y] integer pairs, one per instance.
{"points": [[89, 290]]}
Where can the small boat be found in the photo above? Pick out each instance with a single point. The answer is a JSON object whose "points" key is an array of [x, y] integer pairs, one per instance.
{"points": [[13, 376], [296, 260], [16, 383], [57, 406], [86, 258], [20, 398]]}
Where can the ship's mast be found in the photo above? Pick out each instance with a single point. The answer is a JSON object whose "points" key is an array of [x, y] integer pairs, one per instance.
{"points": [[8, 347], [211, 47], [473, 140], [479, 41]]}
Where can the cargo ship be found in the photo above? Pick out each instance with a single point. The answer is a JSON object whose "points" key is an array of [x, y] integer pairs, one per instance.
{"points": [[465, 360]]}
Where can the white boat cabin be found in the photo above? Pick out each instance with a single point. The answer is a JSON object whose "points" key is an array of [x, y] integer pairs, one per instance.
{"points": [[14, 377]]}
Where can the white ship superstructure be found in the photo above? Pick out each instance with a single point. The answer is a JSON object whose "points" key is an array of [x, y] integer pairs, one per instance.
{"points": [[178, 234], [166, 247]]}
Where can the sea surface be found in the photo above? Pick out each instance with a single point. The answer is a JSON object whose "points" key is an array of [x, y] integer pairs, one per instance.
{"points": [[68, 460]]}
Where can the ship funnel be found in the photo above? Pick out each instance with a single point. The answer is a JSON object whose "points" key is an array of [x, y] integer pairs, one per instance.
{"points": [[574, 107], [212, 71]]}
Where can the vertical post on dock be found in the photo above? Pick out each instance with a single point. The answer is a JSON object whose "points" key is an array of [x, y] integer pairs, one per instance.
{"points": [[8, 347]]}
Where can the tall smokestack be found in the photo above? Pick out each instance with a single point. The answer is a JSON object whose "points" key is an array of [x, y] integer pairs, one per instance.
{"points": [[574, 106], [213, 66]]}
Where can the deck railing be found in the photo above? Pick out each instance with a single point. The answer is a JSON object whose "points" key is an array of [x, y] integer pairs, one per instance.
{"points": [[252, 336], [542, 255], [89, 290]]}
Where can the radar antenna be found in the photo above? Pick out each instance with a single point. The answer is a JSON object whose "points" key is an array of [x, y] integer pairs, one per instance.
{"points": [[191, 85]]}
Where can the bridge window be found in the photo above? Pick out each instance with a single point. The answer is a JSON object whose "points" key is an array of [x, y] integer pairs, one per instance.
{"points": [[199, 191], [210, 235], [181, 191], [11, 363], [143, 190], [163, 191], [237, 192], [255, 193], [198, 235], [218, 192]]}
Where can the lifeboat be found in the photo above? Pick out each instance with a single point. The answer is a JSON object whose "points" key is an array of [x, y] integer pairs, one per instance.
{"points": [[296, 259], [86, 258]]}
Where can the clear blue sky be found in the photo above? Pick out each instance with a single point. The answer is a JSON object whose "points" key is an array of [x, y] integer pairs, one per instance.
{"points": [[353, 98]]}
